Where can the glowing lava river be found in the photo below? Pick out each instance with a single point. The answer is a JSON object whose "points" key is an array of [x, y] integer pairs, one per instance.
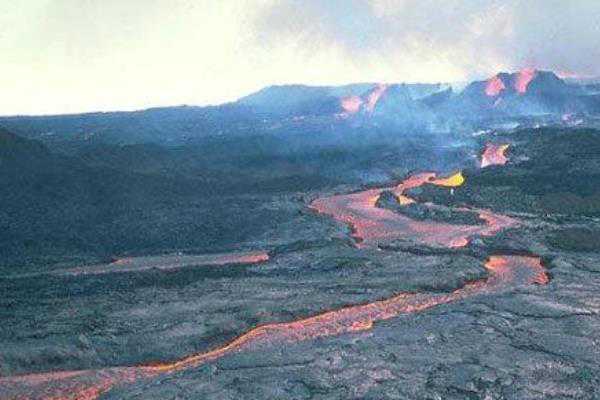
{"points": [[371, 225]]}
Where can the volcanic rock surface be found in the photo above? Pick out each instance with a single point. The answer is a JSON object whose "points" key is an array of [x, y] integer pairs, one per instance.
{"points": [[483, 288]]}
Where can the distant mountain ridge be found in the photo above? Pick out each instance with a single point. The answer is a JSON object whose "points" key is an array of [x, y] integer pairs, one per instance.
{"points": [[306, 100], [301, 108], [528, 92]]}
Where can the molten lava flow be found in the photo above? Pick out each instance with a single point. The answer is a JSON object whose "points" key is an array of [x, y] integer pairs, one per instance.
{"points": [[123, 261], [452, 181], [494, 86], [242, 258], [505, 272], [168, 262], [76, 385], [374, 97], [530, 270], [494, 154], [351, 104], [415, 181], [372, 225], [412, 181], [523, 80]]}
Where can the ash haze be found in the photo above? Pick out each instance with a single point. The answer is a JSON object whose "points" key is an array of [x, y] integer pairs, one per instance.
{"points": [[65, 56]]}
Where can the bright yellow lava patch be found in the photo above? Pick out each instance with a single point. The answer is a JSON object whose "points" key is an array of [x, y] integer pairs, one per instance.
{"points": [[452, 181], [404, 201]]}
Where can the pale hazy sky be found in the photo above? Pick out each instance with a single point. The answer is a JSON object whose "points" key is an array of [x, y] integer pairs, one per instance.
{"points": [[62, 56]]}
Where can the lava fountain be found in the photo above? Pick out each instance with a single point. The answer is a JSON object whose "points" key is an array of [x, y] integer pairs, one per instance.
{"points": [[494, 86], [524, 78]]}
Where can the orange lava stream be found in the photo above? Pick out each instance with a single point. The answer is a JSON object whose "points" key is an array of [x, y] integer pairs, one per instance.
{"points": [[371, 224], [169, 262], [505, 272], [494, 154]]}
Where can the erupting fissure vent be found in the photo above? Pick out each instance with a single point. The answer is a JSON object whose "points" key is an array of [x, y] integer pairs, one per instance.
{"points": [[494, 86]]}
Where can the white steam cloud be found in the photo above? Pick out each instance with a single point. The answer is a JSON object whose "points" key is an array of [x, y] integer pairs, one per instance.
{"points": [[80, 55]]}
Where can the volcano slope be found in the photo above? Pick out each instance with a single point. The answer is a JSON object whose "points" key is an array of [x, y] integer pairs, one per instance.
{"points": [[416, 312]]}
